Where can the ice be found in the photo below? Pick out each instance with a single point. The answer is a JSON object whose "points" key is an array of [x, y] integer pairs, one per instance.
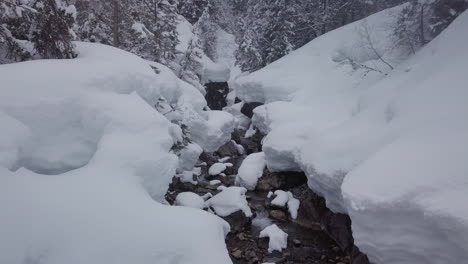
{"points": [[251, 170], [91, 121], [385, 148], [229, 201], [190, 199], [217, 168], [284, 199], [278, 239]]}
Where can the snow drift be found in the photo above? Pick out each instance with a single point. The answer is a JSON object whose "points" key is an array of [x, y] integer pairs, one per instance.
{"points": [[82, 154], [389, 150]]}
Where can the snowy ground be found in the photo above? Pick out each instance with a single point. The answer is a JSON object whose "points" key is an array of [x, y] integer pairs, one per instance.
{"points": [[84, 158], [389, 150]]}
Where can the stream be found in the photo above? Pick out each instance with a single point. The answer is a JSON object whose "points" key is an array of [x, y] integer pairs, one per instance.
{"points": [[317, 235]]}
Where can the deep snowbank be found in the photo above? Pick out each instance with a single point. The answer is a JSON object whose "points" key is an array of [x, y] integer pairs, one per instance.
{"points": [[388, 150], [90, 123]]}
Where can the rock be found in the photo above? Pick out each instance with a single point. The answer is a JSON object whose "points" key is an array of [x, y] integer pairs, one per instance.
{"points": [[278, 215], [216, 93], [247, 109], [238, 221], [297, 242], [228, 150], [237, 254], [271, 181]]}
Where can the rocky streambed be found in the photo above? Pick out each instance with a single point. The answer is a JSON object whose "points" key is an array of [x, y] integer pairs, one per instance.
{"points": [[317, 235]]}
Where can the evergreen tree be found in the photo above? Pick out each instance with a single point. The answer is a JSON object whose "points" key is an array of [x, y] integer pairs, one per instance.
{"points": [[36, 29], [191, 63], [192, 10], [208, 29]]}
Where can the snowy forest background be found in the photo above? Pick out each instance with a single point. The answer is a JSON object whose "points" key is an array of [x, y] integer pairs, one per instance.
{"points": [[265, 30]]}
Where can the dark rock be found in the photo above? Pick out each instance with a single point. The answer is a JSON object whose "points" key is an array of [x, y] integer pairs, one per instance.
{"points": [[228, 150], [237, 254], [238, 221], [247, 108], [237, 100], [216, 93], [278, 215], [271, 181], [253, 144]]}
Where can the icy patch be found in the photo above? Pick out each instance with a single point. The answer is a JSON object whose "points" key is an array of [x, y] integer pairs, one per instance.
{"points": [[278, 238], [261, 220], [251, 170], [229, 201]]}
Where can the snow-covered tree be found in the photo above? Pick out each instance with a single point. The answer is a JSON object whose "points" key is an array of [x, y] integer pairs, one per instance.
{"points": [[191, 63], [36, 29], [192, 10]]}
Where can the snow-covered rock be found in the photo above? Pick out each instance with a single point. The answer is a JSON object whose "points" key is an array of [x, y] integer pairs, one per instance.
{"points": [[213, 131], [278, 239], [217, 168], [190, 199], [90, 121], [229, 201], [386, 149], [284, 199], [250, 170]]}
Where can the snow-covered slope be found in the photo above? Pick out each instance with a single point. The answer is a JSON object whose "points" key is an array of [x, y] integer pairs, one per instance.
{"points": [[390, 150], [82, 151]]}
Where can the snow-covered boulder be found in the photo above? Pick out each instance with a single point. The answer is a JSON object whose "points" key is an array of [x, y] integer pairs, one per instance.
{"points": [[250, 170], [286, 199], [278, 239], [229, 201], [212, 131], [385, 148], [91, 122]]}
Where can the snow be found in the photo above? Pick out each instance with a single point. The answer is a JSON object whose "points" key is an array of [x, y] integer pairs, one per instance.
{"points": [[190, 199], [90, 122], [251, 170], [217, 168], [286, 198], [386, 149], [188, 157], [142, 30], [187, 177], [229, 201], [213, 131], [278, 238], [215, 182]]}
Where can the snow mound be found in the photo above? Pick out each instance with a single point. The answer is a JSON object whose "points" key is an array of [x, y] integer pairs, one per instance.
{"points": [[386, 149], [91, 122], [278, 238], [190, 199], [229, 201], [251, 170], [213, 131], [188, 157]]}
